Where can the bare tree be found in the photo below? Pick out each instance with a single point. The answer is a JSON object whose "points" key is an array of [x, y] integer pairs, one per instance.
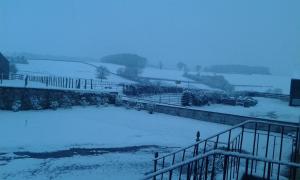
{"points": [[102, 72]]}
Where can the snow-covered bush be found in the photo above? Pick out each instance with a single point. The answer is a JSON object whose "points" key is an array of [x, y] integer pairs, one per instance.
{"points": [[35, 103], [151, 108], [16, 106], [98, 101], [66, 102], [54, 105], [83, 102], [186, 98], [104, 101], [118, 101], [139, 106], [127, 105]]}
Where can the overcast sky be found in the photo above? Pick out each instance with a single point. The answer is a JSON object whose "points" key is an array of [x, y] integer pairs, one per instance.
{"points": [[254, 32]]}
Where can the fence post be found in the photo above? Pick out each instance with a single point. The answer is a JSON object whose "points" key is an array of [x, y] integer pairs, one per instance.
{"points": [[26, 81], [79, 83], [1, 78], [155, 164], [91, 83], [47, 81], [85, 83]]}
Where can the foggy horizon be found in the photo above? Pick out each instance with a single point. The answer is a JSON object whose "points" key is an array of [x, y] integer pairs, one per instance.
{"points": [[194, 32]]}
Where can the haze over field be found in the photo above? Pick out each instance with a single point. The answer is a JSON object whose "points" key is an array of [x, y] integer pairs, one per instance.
{"points": [[252, 32]]}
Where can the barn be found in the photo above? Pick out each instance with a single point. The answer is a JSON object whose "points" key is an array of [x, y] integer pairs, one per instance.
{"points": [[4, 67], [295, 92]]}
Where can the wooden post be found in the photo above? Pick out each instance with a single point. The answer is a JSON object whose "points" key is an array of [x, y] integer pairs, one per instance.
{"points": [[26, 80], [47, 81], [91, 83], [79, 84]]}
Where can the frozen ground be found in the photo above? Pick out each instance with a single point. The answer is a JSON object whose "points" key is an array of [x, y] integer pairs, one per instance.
{"points": [[90, 143]]}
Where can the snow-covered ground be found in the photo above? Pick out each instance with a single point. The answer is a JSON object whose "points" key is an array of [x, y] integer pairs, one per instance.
{"points": [[53, 134], [266, 108]]}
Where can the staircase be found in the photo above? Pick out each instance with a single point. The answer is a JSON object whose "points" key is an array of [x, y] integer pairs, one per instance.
{"points": [[250, 150]]}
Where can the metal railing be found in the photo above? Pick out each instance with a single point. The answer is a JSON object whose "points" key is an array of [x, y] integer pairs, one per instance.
{"points": [[222, 164], [272, 141]]}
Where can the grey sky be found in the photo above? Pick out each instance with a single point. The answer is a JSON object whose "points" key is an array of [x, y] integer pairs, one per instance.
{"points": [[254, 32]]}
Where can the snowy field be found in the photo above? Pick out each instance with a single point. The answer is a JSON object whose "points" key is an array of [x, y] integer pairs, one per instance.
{"points": [[65, 69], [90, 143], [260, 83]]}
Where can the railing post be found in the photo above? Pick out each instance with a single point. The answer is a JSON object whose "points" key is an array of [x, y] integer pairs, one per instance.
{"points": [[155, 164], [225, 167], [269, 170], [196, 154]]}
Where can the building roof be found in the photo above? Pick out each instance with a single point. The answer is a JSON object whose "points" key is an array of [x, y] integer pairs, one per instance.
{"points": [[2, 58]]}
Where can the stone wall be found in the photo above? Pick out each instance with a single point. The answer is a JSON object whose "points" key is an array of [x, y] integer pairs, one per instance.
{"points": [[34, 98], [214, 117]]}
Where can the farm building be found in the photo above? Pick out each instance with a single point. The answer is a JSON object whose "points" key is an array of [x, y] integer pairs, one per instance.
{"points": [[4, 67], [295, 92]]}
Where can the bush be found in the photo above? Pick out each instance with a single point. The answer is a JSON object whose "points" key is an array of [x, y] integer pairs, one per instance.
{"points": [[35, 103], [16, 106], [118, 101], [186, 99], [54, 105], [83, 101], [66, 102]]}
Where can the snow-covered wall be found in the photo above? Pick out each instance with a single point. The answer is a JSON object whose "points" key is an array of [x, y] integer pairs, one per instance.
{"points": [[12, 98], [214, 117]]}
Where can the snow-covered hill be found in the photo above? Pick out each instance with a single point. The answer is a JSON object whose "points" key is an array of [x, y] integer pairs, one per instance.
{"points": [[66, 69]]}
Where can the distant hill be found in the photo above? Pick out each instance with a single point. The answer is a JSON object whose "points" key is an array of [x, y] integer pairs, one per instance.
{"points": [[238, 69], [45, 56]]}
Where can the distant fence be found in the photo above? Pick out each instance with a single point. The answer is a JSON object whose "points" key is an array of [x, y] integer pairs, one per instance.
{"points": [[60, 82]]}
